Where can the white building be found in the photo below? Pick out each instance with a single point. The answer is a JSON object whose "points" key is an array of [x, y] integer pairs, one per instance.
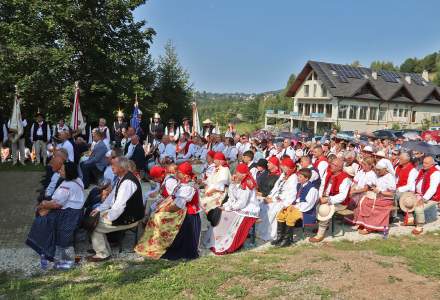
{"points": [[359, 98]]}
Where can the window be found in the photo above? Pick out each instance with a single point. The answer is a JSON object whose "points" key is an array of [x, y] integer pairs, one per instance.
{"points": [[342, 113], [413, 116], [401, 112], [306, 90], [405, 113], [313, 108], [382, 113], [373, 113], [324, 91], [315, 88], [328, 110], [307, 110], [363, 112], [395, 112], [300, 109], [353, 112], [321, 108]]}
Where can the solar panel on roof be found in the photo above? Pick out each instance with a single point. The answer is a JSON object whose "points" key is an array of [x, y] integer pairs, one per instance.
{"points": [[388, 76]]}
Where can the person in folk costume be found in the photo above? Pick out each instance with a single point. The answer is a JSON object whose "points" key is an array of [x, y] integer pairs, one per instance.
{"points": [[231, 131], [373, 211], [287, 150], [363, 179], [239, 214], [216, 188], [218, 145], [351, 161], [266, 184], [406, 176], [3, 137], [427, 189], [271, 149], [302, 208], [166, 181], [16, 129], [40, 135], [156, 130], [121, 210], [105, 131], [230, 151], [118, 126], [210, 166], [173, 130], [186, 149], [59, 127], [320, 163], [208, 128], [186, 126], [395, 158], [280, 197], [306, 163], [173, 230], [336, 191], [167, 150]]}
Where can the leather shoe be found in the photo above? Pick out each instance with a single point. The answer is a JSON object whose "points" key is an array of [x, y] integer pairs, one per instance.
{"points": [[95, 259], [315, 239]]}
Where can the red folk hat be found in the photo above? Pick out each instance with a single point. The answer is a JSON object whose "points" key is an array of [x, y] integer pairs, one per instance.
{"points": [[185, 168], [242, 169], [274, 160], [219, 156], [211, 153], [157, 172], [288, 162]]}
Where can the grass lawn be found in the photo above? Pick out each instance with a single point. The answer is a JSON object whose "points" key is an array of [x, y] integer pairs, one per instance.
{"points": [[289, 272], [30, 167]]}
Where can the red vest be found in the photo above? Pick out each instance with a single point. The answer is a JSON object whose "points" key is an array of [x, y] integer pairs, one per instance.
{"points": [[402, 174], [318, 161], [426, 177], [188, 143], [326, 180], [335, 182], [192, 207]]}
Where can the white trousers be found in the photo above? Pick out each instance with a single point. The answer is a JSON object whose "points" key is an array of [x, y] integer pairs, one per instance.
{"points": [[20, 145]]}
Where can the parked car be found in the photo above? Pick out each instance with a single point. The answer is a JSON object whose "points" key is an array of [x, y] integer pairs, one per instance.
{"points": [[345, 135], [433, 128], [411, 134], [388, 134]]}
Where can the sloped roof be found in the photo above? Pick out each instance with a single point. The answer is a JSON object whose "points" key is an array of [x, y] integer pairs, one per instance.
{"points": [[357, 78]]}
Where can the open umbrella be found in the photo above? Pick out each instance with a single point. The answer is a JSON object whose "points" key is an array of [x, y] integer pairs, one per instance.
{"points": [[422, 147]]}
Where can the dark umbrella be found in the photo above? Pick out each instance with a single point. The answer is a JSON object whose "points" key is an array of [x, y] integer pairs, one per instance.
{"points": [[422, 147]]}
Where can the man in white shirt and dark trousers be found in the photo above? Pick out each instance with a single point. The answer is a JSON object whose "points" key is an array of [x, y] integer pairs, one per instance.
{"points": [[40, 136], [121, 210]]}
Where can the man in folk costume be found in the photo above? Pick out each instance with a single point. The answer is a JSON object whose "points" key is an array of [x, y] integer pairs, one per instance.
{"points": [[105, 132], [185, 148], [167, 150], [336, 191], [60, 127], [216, 188], [230, 151], [281, 196], [40, 136], [320, 163], [172, 130], [186, 126], [173, 230], [156, 130], [351, 161], [373, 211], [118, 126], [239, 214], [208, 128], [302, 208], [218, 145], [306, 163], [427, 189], [121, 210], [406, 175], [287, 150]]}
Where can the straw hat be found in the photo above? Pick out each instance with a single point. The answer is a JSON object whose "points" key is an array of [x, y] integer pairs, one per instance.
{"points": [[368, 149], [380, 153], [350, 171], [207, 121], [325, 212], [156, 116], [408, 202], [120, 114]]}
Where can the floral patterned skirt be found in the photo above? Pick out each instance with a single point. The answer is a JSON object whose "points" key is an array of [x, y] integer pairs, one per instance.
{"points": [[160, 232]]}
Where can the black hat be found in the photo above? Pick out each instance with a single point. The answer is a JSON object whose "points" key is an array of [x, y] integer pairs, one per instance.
{"points": [[185, 119], [171, 121], [39, 114], [262, 163]]}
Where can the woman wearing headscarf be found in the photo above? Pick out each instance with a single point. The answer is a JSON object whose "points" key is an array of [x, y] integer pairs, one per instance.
{"points": [[173, 231], [239, 214]]}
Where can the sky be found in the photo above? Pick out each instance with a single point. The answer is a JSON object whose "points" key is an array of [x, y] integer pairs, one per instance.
{"points": [[253, 46]]}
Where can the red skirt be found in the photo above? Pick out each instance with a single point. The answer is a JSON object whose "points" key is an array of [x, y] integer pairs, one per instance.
{"points": [[240, 237], [373, 214]]}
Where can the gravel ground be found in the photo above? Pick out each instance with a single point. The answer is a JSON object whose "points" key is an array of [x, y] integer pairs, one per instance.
{"points": [[17, 215]]}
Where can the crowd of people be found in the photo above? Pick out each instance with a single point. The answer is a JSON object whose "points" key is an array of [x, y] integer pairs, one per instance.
{"points": [[208, 190]]}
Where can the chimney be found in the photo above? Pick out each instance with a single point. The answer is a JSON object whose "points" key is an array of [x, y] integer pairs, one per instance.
{"points": [[425, 75], [374, 75], [408, 79]]}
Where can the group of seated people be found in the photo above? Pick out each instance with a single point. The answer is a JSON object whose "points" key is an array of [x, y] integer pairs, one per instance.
{"points": [[209, 193]]}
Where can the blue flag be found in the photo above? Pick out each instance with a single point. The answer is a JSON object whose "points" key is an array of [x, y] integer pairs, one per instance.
{"points": [[134, 122]]}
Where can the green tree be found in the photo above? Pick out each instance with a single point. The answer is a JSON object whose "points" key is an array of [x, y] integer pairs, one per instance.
{"points": [[172, 93], [383, 65], [409, 65], [48, 45]]}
